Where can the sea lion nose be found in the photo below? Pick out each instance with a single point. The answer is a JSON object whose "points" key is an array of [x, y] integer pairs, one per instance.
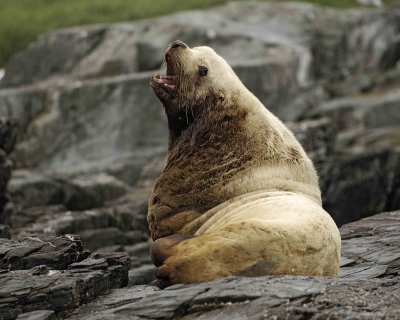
{"points": [[178, 43]]}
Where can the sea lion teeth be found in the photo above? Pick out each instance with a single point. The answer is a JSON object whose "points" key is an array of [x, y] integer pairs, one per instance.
{"points": [[172, 87]]}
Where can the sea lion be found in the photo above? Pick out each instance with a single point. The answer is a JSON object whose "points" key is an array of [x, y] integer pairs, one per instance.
{"points": [[238, 194]]}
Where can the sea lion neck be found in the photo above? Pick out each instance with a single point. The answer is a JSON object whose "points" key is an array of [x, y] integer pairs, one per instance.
{"points": [[188, 119], [178, 122]]}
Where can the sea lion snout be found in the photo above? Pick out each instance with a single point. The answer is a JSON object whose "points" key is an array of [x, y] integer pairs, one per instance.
{"points": [[162, 248]]}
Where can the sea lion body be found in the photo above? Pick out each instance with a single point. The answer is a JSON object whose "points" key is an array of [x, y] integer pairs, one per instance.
{"points": [[236, 179]]}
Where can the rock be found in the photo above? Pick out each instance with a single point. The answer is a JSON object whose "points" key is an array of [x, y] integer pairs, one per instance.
{"points": [[37, 315], [53, 55], [94, 112], [97, 238], [92, 137], [5, 231], [23, 105], [317, 138], [369, 111], [367, 287], [339, 38], [30, 189], [53, 275], [107, 105], [280, 50], [281, 297], [8, 134], [140, 252], [54, 252], [141, 275], [124, 216], [372, 247], [358, 185], [93, 191]]}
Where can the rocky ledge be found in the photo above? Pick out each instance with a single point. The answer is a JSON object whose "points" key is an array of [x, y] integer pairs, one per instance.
{"points": [[368, 288], [49, 278], [54, 274]]}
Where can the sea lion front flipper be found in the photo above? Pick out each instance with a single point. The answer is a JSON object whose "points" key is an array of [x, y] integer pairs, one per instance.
{"points": [[162, 248]]}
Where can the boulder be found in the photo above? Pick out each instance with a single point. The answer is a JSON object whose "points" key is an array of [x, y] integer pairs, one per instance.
{"points": [[31, 189], [97, 104], [43, 276], [356, 186]]}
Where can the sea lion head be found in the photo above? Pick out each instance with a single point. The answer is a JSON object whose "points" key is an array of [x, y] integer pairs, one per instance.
{"points": [[193, 77]]}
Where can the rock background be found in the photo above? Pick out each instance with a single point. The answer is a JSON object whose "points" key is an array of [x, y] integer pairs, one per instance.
{"points": [[90, 136]]}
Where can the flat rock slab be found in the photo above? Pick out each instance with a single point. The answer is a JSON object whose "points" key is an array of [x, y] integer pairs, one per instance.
{"points": [[368, 287], [284, 297], [53, 275], [54, 252]]}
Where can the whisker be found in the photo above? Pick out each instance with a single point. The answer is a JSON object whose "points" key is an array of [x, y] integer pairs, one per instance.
{"points": [[163, 67]]}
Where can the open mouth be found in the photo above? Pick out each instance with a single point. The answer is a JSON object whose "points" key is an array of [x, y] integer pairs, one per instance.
{"points": [[167, 81]]}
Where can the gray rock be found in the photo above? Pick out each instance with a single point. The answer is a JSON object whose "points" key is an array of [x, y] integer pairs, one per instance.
{"points": [[54, 252], [23, 105], [275, 48], [356, 42], [97, 238], [29, 189], [53, 275], [317, 138], [55, 290], [124, 217], [256, 298], [141, 275], [5, 231], [53, 55], [367, 287], [94, 113], [98, 119], [140, 253], [356, 186], [37, 315], [361, 113], [8, 134], [93, 191]]}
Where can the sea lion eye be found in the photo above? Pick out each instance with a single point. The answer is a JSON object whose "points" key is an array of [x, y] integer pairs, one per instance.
{"points": [[203, 71]]}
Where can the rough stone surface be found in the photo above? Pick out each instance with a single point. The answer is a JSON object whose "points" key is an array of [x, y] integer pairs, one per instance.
{"points": [[367, 288], [91, 139], [358, 185], [43, 276], [317, 137], [5, 231], [8, 134], [37, 315], [54, 252], [280, 51], [85, 107]]}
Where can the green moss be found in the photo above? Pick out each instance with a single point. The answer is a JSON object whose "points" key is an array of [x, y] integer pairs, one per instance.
{"points": [[21, 21]]}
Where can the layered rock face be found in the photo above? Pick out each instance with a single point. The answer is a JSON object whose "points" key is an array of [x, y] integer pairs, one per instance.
{"points": [[90, 139], [83, 103], [8, 134]]}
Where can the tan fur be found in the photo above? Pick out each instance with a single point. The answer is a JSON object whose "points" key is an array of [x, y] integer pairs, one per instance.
{"points": [[238, 180]]}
